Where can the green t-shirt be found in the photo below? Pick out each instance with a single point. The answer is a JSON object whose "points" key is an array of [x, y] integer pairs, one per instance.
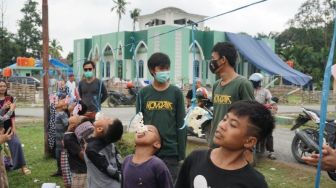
{"points": [[165, 110], [223, 96]]}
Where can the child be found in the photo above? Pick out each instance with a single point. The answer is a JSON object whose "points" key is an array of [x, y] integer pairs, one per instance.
{"points": [[101, 157], [162, 105], [75, 148], [245, 123], [144, 168], [61, 124]]}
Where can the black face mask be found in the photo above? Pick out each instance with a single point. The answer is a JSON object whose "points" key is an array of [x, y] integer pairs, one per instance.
{"points": [[213, 65]]}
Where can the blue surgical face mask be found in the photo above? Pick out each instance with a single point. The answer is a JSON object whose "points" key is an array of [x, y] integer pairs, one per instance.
{"points": [[162, 76], [88, 74]]}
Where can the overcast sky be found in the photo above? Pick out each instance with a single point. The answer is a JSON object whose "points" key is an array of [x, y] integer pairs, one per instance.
{"points": [[75, 19]]}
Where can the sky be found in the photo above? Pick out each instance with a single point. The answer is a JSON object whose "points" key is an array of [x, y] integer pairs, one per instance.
{"points": [[76, 19]]}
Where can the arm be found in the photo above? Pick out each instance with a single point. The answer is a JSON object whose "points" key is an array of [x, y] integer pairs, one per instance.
{"points": [[103, 93], [101, 163], [181, 133], [183, 177], [328, 158], [73, 147], [164, 178]]}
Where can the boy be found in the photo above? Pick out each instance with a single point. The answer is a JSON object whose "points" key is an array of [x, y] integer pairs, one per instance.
{"points": [[144, 168], [101, 157], [245, 123], [230, 87], [162, 105], [75, 148], [61, 123]]}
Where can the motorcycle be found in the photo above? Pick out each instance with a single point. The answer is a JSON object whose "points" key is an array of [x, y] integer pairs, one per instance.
{"points": [[199, 119], [306, 140], [116, 98]]}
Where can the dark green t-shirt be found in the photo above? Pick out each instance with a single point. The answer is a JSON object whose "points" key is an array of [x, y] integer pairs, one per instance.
{"points": [[223, 96], [165, 110]]}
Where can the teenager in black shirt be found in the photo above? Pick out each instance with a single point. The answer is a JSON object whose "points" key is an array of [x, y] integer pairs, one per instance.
{"points": [[245, 123]]}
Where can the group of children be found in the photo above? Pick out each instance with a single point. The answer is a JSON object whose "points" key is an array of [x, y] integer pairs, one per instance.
{"points": [[160, 144]]}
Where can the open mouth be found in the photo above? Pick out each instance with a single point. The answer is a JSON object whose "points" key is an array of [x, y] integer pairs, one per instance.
{"points": [[140, 135]]}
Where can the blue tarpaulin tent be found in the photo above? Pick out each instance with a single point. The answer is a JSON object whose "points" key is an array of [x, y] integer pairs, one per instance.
{"points": [[57, 64], [260, 55]]}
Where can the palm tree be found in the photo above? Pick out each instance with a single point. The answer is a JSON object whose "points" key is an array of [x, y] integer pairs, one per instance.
{"points": [[135, 15], [55, 49], [120, 8]]}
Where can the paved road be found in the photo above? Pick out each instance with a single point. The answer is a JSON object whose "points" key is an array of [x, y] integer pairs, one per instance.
{"points": [[282, 136]]}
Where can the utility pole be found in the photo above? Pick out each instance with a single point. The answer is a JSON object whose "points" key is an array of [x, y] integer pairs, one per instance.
{"points": [[45, 60]]}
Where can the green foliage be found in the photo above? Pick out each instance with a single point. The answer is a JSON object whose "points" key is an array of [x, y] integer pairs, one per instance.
{"points": [[55, 49], [120, 8], [307, 40], [135, 13], [8, 48], [29, 33]]}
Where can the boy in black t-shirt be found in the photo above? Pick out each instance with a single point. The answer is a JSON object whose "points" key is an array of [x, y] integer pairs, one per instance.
{"points": [[245, 123]]}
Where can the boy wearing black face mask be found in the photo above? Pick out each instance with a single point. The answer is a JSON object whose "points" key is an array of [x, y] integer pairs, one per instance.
{"points": [[162, 105], [230, 86]]}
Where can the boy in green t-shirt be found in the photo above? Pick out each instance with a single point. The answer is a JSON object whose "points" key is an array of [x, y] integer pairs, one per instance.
{"points": [[162, 105], [230, 87]]}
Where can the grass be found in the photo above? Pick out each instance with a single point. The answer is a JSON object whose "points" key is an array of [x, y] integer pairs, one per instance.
{"points": [[278, 174]]}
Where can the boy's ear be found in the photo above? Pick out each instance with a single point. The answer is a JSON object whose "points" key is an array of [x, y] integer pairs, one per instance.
{"points": [[250, 142], [157, 145]]}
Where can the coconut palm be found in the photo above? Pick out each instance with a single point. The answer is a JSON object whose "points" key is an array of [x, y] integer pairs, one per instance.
{"points": [[120, 8], [55, 49], [135, 13]]}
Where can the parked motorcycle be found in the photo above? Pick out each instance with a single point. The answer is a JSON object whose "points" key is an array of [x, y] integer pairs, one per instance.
{"points": [[304, 139], [199, 119], [116, 98]]}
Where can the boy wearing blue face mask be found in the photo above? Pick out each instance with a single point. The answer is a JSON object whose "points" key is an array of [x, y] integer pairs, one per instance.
{"points": [[162, 105], [91, 90]]}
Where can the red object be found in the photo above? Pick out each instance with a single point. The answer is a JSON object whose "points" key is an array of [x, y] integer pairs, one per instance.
{"points": [[290, 63], [129, 85], [7, 72]]}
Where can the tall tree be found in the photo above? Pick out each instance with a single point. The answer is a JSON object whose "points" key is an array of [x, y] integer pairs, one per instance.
{"points": [[120, 8], [135, 13], [29, 33], [9, 49], [55, 49]]}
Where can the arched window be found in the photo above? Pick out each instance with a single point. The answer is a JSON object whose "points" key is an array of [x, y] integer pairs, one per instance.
{"points": [[197, 68], [120, 69], [108, 65], [141, 69]]}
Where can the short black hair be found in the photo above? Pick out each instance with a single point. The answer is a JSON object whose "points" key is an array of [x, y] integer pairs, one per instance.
{"points": [[227, 50], [259, 116], [158, 60], [84, 108], [89, 62], [114, 131]]}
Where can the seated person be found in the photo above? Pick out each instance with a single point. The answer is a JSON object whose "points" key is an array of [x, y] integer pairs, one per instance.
{"points": [[245, 123], [101, 156], [144, 168]]}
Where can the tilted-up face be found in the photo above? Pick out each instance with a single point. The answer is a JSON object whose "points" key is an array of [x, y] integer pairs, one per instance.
{"points": [[149, 137], [101, 126], [232, 133]]}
